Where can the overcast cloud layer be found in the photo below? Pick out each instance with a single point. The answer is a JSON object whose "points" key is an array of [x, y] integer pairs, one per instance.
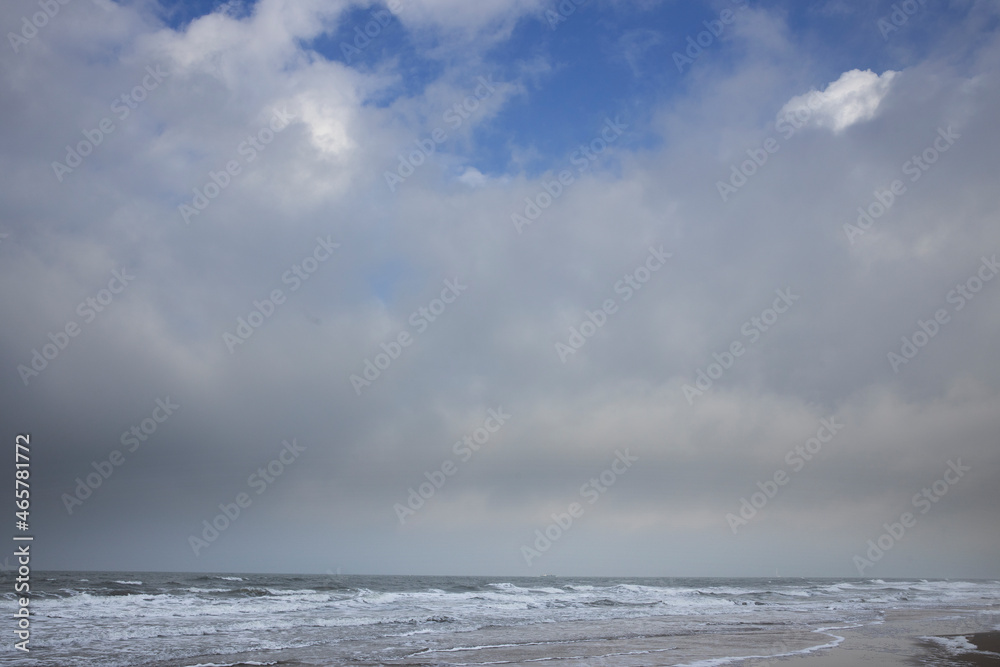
{"points": [[598, 169]]}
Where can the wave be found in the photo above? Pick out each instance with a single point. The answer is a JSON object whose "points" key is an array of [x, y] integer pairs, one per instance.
{"points": [[958, 645], [505, 586], [250, 591]]}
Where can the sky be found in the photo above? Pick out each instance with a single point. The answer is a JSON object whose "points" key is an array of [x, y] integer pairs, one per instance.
{"points": [[508, 287]]}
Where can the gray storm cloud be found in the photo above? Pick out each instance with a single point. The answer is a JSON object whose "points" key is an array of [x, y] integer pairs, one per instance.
{"points": [[245, 264]]}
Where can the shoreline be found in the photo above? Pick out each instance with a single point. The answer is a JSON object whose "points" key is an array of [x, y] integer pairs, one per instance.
{"points": [[906, 638]]}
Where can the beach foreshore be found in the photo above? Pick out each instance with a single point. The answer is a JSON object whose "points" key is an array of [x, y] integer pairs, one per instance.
{"points": [[894, 637], [910, 637], [945, 637]]}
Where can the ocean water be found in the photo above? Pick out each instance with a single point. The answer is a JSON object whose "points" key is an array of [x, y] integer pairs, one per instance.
{"points": [[182, 620]]}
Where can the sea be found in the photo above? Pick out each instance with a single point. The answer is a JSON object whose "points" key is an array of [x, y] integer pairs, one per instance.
{"points": [[119, 619]]}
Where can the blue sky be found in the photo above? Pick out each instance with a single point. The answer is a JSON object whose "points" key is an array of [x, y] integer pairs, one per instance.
{"points": [[614, 58], [617, 57]]}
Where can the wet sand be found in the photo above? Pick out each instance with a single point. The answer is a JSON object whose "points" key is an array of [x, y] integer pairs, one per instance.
{"points": [[883, 639], [892, 639], [901, 640]]}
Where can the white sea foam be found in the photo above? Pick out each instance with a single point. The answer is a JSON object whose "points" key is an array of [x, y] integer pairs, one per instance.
{"points": [[958, 645]]}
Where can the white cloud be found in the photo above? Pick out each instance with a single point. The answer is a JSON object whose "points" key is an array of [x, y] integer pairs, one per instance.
{"points": [[327, 127], [853, 98], [472, 177]]}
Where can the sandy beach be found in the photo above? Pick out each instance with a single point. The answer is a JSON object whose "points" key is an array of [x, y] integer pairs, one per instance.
{"points": [[908, 638], [905, 638]]}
